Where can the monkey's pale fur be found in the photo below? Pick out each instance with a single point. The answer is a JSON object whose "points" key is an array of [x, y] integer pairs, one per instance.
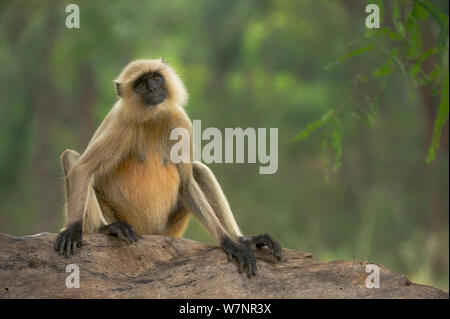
{"points": [[126, 172]]}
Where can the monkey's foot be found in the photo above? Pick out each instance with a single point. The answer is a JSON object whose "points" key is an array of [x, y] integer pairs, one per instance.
{"points": [[69, 240], [120, 229], [242, 254], [262, 240]]}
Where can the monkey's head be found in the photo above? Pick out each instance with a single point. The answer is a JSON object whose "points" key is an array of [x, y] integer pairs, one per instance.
{"points": [[148, 85]]}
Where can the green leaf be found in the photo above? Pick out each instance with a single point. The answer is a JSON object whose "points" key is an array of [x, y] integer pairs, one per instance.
{"points": [[440, 18], [441, 119], [326, 155], [386, 69], [336, 142], [357, 52], [369, 119], [327, 116], [349, 55], [396, 18], [420, 12], [415, 38], [313, 126], [415, 69], [391, 34], [310, 127]]}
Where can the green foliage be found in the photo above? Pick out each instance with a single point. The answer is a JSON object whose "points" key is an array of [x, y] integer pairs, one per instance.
{"points": [[404, 45], [388, 67], [313, 126], [441, 119], [349, 55]]}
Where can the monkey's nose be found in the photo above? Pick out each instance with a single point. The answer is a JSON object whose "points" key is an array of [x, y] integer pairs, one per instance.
{"points": [[152, 88], [152, 85]]}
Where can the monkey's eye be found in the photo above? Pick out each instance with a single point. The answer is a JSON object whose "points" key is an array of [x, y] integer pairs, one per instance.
{"points": [[139, 87], [156, 77]]}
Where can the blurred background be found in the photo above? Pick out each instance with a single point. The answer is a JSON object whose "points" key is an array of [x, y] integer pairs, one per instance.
{"points": [[355, 109]]}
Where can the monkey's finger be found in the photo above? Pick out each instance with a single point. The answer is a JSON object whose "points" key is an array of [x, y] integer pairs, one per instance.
{"points": [[61, 244], [277, 253], [254, 266], [120, 234], [241, 266], [74, 247], [251, 244], [275, 247], [68, 248], [56, 245], [249, 269], [240, 260], [230, 256], [127, 234], [132, 233], [271, 247]]}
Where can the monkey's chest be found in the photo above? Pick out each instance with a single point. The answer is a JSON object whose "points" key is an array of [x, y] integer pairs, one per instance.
{"points": [[142, 192]]}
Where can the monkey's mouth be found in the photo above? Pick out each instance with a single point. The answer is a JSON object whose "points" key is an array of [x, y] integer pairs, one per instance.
{"points": [[153, 99]]}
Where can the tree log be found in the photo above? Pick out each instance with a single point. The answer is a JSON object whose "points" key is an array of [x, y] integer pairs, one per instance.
{"points": [[167, 267]]}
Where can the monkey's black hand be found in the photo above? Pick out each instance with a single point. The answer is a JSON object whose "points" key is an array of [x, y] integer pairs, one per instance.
{"points": [[69, 240], [120, 229], [262, 240], [243, 255]]}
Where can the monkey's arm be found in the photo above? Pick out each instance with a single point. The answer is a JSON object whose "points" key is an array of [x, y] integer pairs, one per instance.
{"points": [[196, 201], [101, 154], [215, 196], [103, 126]]}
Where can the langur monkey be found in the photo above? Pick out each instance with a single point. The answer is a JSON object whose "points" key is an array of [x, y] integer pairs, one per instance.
{"points": [[125, 183]]}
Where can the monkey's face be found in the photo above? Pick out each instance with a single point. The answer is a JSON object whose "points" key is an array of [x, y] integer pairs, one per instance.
{"points": [[151, 88], [147, 88]]}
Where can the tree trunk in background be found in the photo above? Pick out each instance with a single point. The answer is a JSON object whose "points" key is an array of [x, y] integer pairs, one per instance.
{"points": [[436, 198], [45, 100], [84, 109]]}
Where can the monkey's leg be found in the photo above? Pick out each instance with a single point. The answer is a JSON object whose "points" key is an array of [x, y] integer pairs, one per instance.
{"points": [[93, 218], [216, 198], [178, 221], [70, 237]]}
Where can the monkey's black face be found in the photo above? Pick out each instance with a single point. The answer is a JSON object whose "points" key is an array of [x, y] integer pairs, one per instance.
{"points": [[151, 87]]}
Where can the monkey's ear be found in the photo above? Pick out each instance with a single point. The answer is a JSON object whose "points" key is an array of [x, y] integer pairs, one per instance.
{"points": [[117, 86]]}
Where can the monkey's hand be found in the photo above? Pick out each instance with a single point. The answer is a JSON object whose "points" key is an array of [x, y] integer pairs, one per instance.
{"points": [[242, 254], [120, 229], [262, 240], [69, 240]]}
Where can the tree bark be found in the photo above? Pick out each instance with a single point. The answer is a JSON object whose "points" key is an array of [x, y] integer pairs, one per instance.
{"points": [[167, 267]]}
